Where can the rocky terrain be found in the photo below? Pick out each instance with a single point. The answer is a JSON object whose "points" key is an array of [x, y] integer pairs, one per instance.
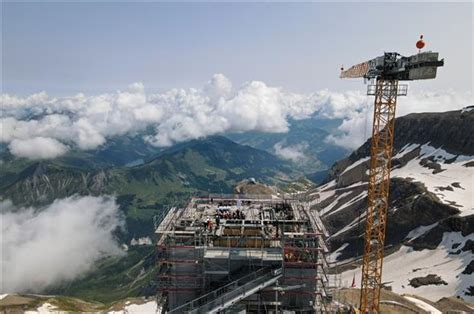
{"points": [[430, 233], [390, 303], [32, 304]]}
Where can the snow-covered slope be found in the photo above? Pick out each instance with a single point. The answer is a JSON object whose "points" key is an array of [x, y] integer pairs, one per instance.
{"points": [[431, 215], [448, 176], [405, 265]]}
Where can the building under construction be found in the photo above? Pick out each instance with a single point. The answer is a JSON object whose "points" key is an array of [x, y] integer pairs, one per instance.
{"points": [[242, 254]]}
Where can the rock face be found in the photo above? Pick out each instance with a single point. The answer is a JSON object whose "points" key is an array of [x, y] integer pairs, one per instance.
{"points": [[427, 280], [431, 200], [43, 182], [450, 130]]}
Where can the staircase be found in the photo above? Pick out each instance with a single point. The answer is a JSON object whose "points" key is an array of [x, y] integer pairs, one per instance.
{"points": [[231, 293]]}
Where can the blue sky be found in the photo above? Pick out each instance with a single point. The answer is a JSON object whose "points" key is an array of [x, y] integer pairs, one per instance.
{"points": [[64, 48]]}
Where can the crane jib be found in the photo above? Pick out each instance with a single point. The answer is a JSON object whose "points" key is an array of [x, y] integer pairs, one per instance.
{"points": [[392, 65]]}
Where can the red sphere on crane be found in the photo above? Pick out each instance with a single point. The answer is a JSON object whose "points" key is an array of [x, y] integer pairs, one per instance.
{"points": [[420, 43]]}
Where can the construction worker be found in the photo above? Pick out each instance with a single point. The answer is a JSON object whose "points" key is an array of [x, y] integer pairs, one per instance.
{"points": [[209, 224]]}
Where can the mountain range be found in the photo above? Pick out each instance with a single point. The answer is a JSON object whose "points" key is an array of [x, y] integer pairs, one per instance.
{"points": [[304, 144], [431, 207], [143, 192]]}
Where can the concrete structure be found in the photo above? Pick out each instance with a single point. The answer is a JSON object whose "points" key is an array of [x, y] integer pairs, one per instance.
{"points": [[244, 253]]}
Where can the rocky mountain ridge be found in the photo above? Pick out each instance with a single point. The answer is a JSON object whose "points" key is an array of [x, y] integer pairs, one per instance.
{"points": [[431, 212], [215, 163]]}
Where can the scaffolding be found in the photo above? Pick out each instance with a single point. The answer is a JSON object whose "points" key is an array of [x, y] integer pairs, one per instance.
{"points": [[222, 240], [304, 261], [179, 258]]}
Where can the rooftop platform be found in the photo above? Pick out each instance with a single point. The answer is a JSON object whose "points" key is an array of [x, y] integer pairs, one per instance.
{"points": [[240, 221]]}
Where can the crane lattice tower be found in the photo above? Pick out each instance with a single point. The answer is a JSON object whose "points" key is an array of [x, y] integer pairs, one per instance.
{"points": [[387, 70]]}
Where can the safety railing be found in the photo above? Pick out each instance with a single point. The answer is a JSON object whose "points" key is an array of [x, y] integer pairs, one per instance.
{"points": [[231, 291]]}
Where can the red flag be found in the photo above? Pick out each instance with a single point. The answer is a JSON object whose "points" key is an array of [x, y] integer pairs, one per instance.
{"points": [[353, 281]]}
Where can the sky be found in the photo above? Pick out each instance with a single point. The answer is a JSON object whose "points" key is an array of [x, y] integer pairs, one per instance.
{"points": [[93, 47], [78, 74]]}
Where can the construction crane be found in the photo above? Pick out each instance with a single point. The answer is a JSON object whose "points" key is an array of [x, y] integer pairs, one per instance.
{"points": [[387, 71]]}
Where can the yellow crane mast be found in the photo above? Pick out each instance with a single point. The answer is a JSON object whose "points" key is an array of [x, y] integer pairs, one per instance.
{"points": [[387, 70]]}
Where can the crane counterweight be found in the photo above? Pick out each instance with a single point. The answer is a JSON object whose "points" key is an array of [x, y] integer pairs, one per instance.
{"points": [[392, 65]]}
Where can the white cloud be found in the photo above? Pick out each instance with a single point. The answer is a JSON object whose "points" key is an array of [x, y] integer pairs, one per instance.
{"points": [[353, 131], [357, 126], [43, 247], [218, 87], [86, 122], [294, 152], [37, 148]]}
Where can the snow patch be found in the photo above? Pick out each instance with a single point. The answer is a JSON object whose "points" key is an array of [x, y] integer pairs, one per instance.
{"points": [[349, 203], [44, 309], [440, 154], [408, 148], [467, 109], [328, 185], [141, 241], [356, 184], [406, 264], [332, 258], [423, 305], [463, 198], [358, 222], [421, 230], [147, 307], [334, 203], [355, 164]]}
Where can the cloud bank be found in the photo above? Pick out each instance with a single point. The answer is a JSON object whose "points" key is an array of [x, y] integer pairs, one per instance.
{"points": [[357, 127], [58, 243], [86, 122], [294, 153], [37, 148]]}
